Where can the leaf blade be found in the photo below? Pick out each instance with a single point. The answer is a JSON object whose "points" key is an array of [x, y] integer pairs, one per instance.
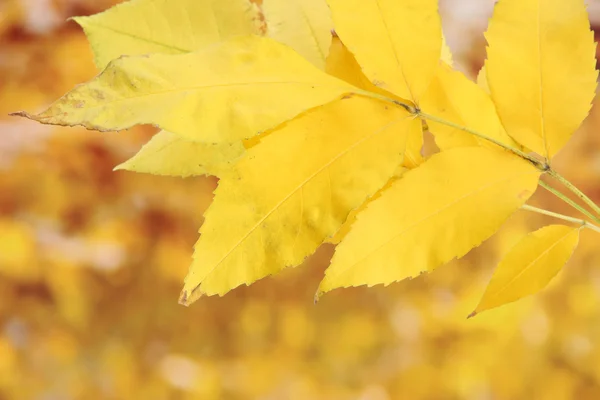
{"points": [[414, 223], [225, 93], [530, 265], [157, 26], [531, 67]]}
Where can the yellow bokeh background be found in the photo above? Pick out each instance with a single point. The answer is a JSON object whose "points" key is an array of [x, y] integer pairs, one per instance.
{"points": [[92, 261]]}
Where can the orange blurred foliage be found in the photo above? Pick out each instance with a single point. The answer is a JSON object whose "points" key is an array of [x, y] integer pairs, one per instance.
{"points": [[91, 263]]}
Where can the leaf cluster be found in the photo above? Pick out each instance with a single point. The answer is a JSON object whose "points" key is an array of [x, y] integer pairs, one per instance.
{"points": [[319, 138]]}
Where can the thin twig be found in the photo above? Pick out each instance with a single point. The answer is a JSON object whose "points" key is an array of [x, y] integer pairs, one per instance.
{"points": [[569, 201], [541, 166], [581, 222], [575, 190]]}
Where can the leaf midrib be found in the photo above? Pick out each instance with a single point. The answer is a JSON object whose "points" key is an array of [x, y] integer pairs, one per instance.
{"points": [[343, 90]]}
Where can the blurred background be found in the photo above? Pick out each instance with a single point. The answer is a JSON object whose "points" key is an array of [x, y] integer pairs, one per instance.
{"points": [[92, 262]]}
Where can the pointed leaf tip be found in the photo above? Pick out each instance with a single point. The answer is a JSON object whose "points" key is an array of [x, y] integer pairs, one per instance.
{"points": [[183, 297], [318, 295], [474, 313], [23, 114]]}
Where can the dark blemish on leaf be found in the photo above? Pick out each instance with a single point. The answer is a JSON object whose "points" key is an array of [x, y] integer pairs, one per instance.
{"points": [[347, 96], [378, 83], [78, 104], [99, 95]]}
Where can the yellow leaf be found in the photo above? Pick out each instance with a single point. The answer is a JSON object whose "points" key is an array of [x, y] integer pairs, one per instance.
{"points": [[172, 155], [294, 190], [166, 26], [397, 43], [449, 204], [342, 64], [530, 265], [456, 99], [541, 70], [304, 25], [231, 91]]}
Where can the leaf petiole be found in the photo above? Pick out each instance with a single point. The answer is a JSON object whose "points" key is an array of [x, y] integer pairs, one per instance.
{"points": [[576, 191], [581, 222], [525, 156], [569, 201]]}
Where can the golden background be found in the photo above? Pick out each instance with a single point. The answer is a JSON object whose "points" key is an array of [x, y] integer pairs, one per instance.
{"points": [[92, 261]]}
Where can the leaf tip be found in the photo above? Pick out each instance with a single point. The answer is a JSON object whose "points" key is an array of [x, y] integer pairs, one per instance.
{"points": [[474, 313], [121, 167], [183, 298], [318, 295], [23, 114]]}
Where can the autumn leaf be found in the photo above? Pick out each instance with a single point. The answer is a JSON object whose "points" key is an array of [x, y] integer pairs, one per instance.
{"points": [[283, 214], [530, 265], [164, 26], [226, 93], [172, 155], [397, 44], [304, 25], [449, 204], [541, 70]]}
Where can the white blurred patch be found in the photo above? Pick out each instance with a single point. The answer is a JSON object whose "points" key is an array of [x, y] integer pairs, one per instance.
{"points": [[102, 255], [181, 372], [18, 136], [40, 16]]}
